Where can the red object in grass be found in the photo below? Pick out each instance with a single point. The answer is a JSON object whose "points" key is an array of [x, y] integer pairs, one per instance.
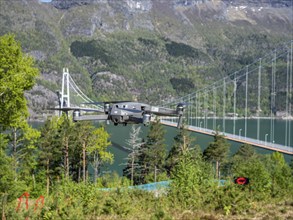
{"points": [[26, 195], [41, 200], [241, 180]]}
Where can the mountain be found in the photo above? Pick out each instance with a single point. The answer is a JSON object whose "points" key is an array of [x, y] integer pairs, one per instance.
{"points": [[146, 50]]}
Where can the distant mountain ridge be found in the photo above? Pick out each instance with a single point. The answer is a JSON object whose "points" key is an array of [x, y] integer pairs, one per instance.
{"points": [[66, 4], [149, 50]]}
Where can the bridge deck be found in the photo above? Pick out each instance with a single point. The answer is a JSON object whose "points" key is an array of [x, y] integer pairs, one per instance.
{"points": [[240, 139]]}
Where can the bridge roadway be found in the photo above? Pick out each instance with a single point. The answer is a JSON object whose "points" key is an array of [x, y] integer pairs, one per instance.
{"points": [[262, 144]]}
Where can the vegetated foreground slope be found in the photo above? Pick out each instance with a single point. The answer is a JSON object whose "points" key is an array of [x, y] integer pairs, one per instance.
{"points": [[142, 50]]}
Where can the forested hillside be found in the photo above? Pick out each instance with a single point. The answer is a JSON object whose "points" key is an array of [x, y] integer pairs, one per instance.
{"points": [[142, 50], [54, 172]]}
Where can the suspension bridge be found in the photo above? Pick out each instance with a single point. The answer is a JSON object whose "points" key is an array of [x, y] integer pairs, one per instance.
{"points": [[245, 106]]}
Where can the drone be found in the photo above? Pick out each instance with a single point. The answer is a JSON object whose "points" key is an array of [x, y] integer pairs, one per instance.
{"points": [[124, 112]]}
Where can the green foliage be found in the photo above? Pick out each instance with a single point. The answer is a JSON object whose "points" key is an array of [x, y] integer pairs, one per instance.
{"points": [[192, 182], [132, 169], [245, 151], [17, 75], [90, 49], [7, 184], [183, 144], [217, 152], [259, 177], [183, 50], [153, 152], [182, 85], [281, 177], [232, 199], [50, 156]]}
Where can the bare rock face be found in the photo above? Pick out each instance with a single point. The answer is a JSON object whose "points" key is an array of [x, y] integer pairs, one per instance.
{"points": [[251, 3], [66, 4], [261, 3], [46, 31]]}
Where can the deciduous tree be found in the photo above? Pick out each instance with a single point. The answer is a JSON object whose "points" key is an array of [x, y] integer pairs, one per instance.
{"points": [[17, 75], [97, 149]]}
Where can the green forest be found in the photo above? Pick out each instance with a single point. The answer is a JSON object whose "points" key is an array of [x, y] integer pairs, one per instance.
{"points": [[54, 172]]}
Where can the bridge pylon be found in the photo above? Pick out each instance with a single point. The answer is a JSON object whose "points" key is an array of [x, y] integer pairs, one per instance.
{"points": [[65, 95]]}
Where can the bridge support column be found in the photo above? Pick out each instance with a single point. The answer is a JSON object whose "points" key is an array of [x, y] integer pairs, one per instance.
{"points": [[65, 97]]}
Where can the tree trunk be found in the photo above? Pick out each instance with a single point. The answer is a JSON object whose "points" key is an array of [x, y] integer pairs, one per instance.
{"points": [[95, 169], [132, 170], [14, 153], [14, 141], [48, 177], [84, 161], [96, 173], [66, 162], [96, 166], [79, 170], [155, 173], [217, 169], [4, 198]]}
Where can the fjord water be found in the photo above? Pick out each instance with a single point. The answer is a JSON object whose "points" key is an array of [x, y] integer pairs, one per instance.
{"points": [[119, 135]]}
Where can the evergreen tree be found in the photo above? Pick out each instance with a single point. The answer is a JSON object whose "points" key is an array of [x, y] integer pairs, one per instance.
{"points": [[7, 182], [153, 153], [132, 169], [65, 132], [291, 166], [192, 181], [50, 152], [183, 144], [27, 157], [280, 173], [259, 177], [217, 152], [245, 151]]}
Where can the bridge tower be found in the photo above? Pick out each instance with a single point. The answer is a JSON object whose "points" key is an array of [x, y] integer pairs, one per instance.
{"points": [[65, 97]]}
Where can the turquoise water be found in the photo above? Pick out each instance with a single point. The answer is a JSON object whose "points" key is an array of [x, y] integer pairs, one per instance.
{"points": [[119, 135]]}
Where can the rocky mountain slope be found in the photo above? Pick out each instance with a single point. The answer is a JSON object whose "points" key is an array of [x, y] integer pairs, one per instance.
{"points": [[142, 49]]}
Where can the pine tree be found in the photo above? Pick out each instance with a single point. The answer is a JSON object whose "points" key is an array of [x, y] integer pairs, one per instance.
{"points": [[132, 169], [245, 151], [217, 152], [50, 156], [7, 175], [66, 137], [153, 153], [183, 144], [281, 178], [192, 181]]}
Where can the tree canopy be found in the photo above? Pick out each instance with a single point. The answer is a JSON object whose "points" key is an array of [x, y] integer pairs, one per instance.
{"points": [[17, 75]]}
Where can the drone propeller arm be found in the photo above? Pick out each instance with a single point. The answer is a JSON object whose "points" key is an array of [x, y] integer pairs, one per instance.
{"points": [[162, 111], [91, 118], [66, 109]]}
